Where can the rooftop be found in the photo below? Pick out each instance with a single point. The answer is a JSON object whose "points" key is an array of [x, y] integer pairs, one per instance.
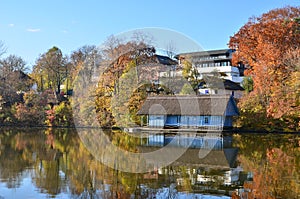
{"points": [[187, 105], [165, 60], [206, 53], [227, 85]]}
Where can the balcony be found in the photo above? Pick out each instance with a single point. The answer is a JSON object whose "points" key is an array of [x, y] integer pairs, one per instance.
{"points": [[223, 69]]}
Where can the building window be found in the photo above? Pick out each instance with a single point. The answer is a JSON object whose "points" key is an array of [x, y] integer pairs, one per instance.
{"points": [[206, 120], [225, 63]]}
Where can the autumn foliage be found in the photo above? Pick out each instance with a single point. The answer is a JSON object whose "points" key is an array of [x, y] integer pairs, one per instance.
{"points": [[269, 46]]}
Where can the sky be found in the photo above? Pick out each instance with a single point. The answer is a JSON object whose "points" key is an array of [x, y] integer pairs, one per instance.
{"points": [[29, 28]]}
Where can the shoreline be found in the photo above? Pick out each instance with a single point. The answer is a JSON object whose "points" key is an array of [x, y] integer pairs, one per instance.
{"points": [[162, 130]]}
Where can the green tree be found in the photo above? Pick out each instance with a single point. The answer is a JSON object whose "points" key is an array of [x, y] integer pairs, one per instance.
{"points": [[248, 84], [120, 105], [187, 89], [63, 115]]}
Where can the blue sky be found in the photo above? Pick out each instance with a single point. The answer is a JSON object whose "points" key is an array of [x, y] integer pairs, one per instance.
{"points": [[29, 28]]}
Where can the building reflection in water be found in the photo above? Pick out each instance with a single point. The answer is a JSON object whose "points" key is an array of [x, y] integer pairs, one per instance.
{"points": [[216, 172]]}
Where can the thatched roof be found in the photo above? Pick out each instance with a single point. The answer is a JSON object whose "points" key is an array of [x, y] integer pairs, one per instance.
{"points": [[187, 105]]}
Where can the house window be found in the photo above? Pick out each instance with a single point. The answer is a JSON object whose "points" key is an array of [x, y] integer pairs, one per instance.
{"points": [[206, 120]]}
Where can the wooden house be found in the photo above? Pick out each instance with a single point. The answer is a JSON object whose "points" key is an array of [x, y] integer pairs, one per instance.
{"points": [[209, 111]]}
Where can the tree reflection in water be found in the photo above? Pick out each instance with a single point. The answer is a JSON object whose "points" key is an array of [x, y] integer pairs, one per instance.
{"points": [[59, 165], [275, 163]]}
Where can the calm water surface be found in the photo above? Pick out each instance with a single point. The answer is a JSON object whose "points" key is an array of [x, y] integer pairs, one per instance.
{"points": [[39, 163]]}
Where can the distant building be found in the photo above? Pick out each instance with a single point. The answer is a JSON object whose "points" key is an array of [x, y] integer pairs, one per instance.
{"points": [[206, 111], [161, 66], [209, 62], [226, 87]]}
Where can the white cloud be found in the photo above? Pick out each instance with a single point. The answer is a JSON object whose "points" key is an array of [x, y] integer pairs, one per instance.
{"points": [[65, 31], [33, 29], [11, 25]]}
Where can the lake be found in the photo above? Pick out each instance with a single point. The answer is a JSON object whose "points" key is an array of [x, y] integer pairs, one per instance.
{"points": [[65, 163]]}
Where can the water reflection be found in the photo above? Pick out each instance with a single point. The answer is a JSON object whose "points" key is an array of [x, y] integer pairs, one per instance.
{"points": [[216, 172], [39, 163]]}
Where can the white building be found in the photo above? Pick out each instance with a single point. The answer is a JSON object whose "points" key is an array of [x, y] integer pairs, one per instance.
{"points": [[210, 62]]}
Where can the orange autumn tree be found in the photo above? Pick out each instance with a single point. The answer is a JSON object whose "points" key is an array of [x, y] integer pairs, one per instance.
{"points": [[270, 46]]}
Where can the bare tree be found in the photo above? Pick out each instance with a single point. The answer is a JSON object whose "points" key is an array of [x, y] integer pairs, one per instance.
{"points": [[114, 47], [13, 77], [140, 37], [171, 49], [12, 63], [80, 55], [110, 48], [86, 60]]}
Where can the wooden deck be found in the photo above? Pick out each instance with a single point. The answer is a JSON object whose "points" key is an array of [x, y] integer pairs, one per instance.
{"points": [[172, 130]]}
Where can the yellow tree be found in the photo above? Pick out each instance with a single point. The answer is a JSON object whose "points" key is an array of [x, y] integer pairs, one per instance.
{"points": [[50, 70], [129, 56]]}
